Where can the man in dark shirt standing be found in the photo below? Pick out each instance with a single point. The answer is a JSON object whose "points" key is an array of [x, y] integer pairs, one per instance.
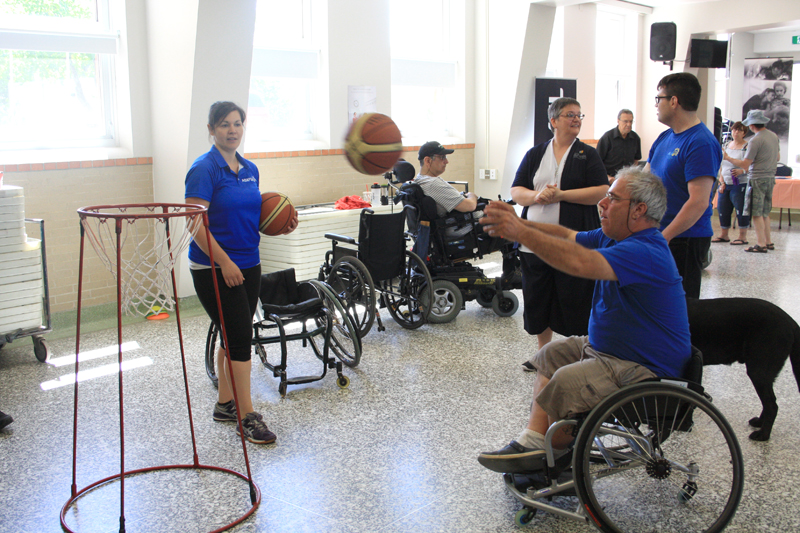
{"points": [[620, 147]]}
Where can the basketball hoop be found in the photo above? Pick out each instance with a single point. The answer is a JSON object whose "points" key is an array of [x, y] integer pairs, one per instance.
{"points": [[139, 244], [147, 239]]}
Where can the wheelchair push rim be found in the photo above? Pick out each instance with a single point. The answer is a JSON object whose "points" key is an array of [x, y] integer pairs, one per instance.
{"points": [[352, 283], [405, 295], [658, 457]]}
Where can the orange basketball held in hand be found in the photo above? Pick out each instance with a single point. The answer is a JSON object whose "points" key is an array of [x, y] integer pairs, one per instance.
{"points": [[374, 144], [277, 211]]}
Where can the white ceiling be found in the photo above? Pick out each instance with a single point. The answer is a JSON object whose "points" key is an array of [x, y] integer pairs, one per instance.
{"points": [[787, 26]]}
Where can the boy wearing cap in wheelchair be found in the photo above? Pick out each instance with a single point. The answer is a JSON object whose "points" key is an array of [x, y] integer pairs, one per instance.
{"points": [[449, 201], [433, 162], [638, 328]]}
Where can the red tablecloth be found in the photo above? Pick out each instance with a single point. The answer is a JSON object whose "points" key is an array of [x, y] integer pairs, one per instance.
{"points": [[786, 193]]}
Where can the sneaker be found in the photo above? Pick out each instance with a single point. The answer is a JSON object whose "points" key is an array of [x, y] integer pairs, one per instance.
{"points": [[528, 367], [5, 419], [225, 412], [514, 459], [255, 430]]}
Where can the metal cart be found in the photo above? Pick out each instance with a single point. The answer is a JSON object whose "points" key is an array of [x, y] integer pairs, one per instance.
{"points": [[40, 348]]}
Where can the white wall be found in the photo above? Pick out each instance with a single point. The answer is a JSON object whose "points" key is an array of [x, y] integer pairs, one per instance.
{"points": [[359, 54], [506, 32], [580, 37], [199, 52]]}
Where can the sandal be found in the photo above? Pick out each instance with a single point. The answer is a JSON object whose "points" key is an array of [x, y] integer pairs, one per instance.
{"points": [[757, 249], [770, 246], [739, 242], [720, 239]]}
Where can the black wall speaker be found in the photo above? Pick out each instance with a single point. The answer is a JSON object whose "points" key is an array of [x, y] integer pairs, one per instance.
{"points": [[662, 41]]}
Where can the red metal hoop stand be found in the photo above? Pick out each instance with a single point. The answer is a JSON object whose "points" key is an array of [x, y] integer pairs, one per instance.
{"points": [[129, 214]]}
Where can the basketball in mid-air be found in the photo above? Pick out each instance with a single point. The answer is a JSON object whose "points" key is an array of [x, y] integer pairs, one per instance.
{"points": [[277, 212], [374, 144]]}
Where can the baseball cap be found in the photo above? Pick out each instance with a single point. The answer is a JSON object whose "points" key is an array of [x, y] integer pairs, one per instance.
{"points": [[433, 148]]}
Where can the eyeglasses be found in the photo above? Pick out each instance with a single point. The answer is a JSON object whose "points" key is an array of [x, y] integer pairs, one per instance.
{"points": [[660, 97], [612, 198], [571, 116], [442, 157]]}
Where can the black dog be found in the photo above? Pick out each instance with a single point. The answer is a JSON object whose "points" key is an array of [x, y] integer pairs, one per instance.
{"points": [[751, 331]]}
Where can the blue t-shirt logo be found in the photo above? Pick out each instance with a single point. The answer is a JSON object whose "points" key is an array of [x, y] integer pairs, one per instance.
{"points": [[675, 152]]}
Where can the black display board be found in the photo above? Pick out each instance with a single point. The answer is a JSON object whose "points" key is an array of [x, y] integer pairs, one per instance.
{"points": [[545, 91]]}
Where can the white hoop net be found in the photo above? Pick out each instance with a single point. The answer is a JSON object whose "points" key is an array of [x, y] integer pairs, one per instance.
{"points": [[151, 238]]}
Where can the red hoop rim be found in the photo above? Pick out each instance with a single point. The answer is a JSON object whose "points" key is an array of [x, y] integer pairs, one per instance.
{"points": [[96, 211]]}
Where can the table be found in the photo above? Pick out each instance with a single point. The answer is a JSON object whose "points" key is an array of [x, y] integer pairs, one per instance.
{"points": [[786, 194]]}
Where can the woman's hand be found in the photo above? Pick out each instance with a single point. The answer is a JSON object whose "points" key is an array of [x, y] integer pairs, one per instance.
{"points": [[549, 196], [721, 186], [292, 225], [737, 171], [231, 274]]}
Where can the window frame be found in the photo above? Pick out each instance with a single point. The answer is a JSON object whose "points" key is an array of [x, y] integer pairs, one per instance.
{"points": [[61, 34]]}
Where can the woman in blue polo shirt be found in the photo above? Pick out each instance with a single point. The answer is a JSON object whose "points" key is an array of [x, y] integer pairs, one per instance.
{"points": [[227, 184]]}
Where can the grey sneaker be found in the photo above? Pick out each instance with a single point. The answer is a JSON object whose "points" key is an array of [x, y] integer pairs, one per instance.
{"points": [[514, 459], [225, 412], [255, 430]]}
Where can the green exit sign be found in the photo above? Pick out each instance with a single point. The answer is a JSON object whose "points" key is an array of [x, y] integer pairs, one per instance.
{"points": [[796, 39]]}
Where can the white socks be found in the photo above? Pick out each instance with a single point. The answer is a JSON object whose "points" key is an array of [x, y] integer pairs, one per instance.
{"points": [[531, 439], [535, 440]]}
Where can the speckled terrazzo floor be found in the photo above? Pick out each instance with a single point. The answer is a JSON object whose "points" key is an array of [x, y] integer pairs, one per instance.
{"points": [[395, 452]]}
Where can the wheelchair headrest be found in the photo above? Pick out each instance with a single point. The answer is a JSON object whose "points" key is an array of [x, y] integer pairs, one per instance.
{"points": [[404, 171]]}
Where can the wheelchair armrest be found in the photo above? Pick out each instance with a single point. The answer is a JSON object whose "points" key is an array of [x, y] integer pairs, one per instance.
{"points": [[342, 238]]}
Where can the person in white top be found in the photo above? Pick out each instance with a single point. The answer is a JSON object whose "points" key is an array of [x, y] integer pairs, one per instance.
{"points": [[732, 186], [559, 182]]}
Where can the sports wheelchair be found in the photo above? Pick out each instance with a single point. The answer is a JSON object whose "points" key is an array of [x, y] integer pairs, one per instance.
{"points": [[307, 311], [380, 264], [448, 243], [654, 456]]}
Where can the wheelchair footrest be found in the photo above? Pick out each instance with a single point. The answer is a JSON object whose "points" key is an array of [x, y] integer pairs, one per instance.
{"points": [[302, 379]]}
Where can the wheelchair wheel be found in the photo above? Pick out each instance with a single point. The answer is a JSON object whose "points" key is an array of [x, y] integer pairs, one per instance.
{"points": [[345, 342], [211, 354], [446, 301], [485, 297], [658, 457], [505, 303], [352, 283], [405, 297]]}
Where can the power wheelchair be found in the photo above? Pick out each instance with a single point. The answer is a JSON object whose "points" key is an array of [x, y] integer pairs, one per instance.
{"points": [[654, 456], [448, 244], [309, 312]]}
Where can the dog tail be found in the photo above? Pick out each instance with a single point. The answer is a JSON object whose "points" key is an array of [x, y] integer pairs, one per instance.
{"points": [[794, 356]]}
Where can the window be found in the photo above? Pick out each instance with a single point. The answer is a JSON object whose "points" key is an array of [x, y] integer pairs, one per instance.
{"points": [[615, 63], [56, 71], [284, 80], [427, 74]]}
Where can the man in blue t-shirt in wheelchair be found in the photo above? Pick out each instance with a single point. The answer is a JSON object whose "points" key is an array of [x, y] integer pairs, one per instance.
{"points": [[638, 328]]}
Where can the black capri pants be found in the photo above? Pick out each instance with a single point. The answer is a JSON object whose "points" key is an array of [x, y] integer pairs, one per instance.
{"points": [[238, 307]]}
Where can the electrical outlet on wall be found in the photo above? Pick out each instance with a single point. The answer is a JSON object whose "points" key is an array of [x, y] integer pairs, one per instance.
{"points": [[487, 174]]}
